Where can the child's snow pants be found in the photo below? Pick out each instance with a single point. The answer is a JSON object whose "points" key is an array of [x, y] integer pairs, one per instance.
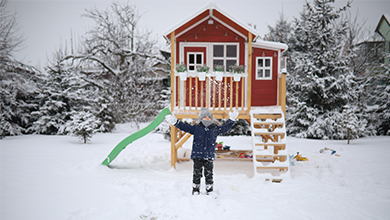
{"points": [[198, 170]]}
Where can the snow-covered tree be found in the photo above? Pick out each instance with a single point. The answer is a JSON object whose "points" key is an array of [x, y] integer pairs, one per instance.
{"points": [[18, 88], [118, 60], [282, 32], [321, 82], [18, 82], [54, 104], [10, 40], [349, 126], [377, 95], [65, 92], [82, 124]]}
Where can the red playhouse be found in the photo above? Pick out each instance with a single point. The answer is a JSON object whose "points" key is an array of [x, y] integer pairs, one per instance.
{"points": [[244, 73]]}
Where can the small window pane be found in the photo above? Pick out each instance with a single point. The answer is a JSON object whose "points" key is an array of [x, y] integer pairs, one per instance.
{"points": [[191, 59], [267, 62], [229, 63], [260, 62], [217, 62], [231, 51], [199, 59], [218, 50], [260, 73], [267, 73]]}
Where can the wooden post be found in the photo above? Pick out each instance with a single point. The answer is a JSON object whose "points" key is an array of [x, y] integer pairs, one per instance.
{"points": [[173, 128], [231, 94], [173, 147], [249, 101], [219, 94], [282, 94], [196, 93], [225, 93], [207, 92], [173, 70], [190, 95]]}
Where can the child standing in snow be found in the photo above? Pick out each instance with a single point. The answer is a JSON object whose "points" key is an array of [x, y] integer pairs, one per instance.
{"points": [[205, 132]]}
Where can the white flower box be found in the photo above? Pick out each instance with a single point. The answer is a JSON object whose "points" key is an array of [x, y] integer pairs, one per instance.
{"points": [[183, 76], [218, 75], [202, 76], [236, 77]]}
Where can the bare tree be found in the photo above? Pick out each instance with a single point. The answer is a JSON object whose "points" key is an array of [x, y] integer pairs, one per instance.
{"points": [[9, 39], [118, 59]]}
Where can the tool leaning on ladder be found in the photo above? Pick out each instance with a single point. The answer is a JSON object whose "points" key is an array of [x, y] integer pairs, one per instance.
{"points": [[205, 133]]}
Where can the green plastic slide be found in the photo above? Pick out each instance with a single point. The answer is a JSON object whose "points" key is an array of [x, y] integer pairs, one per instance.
{"points": [[135, 136]]}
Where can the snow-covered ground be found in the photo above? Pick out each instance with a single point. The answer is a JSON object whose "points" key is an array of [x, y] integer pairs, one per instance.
{"points": [[58, 177]]}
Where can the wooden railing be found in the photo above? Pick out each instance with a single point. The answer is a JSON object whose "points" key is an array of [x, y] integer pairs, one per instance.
{"points": [[223, 95]]}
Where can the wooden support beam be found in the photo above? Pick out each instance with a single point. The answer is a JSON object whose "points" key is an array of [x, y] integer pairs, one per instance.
{"points": [[183, 140], [173, 70], [283, 93], [173, 147], [207, 92], [190, 93], [249, 102]]}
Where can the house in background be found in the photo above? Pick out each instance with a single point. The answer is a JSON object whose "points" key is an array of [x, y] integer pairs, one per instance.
{"points": [[383, 29], [212, 37]]}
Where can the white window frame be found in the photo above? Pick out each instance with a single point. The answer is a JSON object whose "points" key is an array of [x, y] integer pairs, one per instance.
{"points": [[225, 57], [263, 68], [195, 64]]}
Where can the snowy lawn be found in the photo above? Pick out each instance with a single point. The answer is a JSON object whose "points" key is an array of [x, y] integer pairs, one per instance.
{"points": [[58, 177]]}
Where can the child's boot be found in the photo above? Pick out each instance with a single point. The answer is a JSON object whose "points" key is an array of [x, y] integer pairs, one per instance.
{"points": [[209, 188], [195, 189]]}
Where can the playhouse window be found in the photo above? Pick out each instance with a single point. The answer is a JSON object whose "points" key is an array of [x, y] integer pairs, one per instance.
{"points": [[263, 68], [193, 60], [225, 54]]}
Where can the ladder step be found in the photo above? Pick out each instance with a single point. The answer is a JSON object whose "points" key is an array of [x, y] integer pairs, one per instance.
{"points": [[275, 164], [268, 123], [267, 116], [269, 145], [270, 133]]}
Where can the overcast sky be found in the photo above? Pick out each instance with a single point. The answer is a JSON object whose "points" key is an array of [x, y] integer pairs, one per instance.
{"points": [[47, 24]]}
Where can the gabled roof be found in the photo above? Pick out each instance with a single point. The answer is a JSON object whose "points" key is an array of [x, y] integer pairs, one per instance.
{"points": [[384, 18], [215, 13]]}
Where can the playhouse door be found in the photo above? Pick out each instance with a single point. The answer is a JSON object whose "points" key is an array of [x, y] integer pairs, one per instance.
{"points": [[195, 90], [264, 78]]}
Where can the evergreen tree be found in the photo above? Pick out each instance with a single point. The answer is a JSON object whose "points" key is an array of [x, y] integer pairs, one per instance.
{"points": [[54, 103], [82, 125], [65, 92], [18, 82], [321, 82], [377, 95], [282, 32], [349, 126], [18, 88]]}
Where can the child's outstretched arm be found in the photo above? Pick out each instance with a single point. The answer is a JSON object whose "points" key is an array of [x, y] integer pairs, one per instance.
{"points": [[229, 123], [177, 123]]}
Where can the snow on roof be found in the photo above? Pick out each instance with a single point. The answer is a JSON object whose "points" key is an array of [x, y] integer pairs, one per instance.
{"points": [[210, 6], [270, 45]]}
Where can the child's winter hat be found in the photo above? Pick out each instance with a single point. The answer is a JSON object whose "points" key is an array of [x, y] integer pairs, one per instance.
{"points": [[205, 112]]}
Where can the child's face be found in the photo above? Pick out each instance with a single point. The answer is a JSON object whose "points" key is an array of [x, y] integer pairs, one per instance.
{"points": [[206, 118]]}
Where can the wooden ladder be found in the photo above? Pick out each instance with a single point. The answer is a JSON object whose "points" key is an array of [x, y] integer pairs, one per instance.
{"points": [[270, 155]]}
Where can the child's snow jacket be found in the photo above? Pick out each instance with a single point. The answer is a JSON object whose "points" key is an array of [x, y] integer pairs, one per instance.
{"points": [[203, 146]]}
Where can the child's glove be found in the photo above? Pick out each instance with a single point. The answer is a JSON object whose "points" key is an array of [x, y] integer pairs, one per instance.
{"points": [[171, 119], [233, 115]]}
